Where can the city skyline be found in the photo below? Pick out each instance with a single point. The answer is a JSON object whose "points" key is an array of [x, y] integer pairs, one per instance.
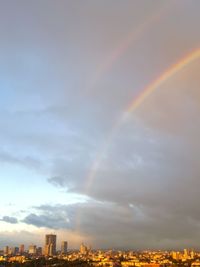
{"points": [[99, 115], [50, 247], [84, 249]]}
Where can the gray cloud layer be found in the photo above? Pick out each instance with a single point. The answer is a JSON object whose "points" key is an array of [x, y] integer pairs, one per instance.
{"points": [[57, 115], [9, 219], [135, 226]]}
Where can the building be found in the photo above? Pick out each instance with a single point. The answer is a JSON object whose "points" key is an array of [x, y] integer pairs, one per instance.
{"points": [[186, 253], [50, 245], [6, 250], [39, 251], [21, 249], [13, 251], [83, 249], [32, 250], [64, 245]]}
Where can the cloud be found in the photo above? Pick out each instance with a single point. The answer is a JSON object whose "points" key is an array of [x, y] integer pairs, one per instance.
{"points": [[27, 161], [140, 182], [147, 184], [49, 218], [9, 219], [135, 226], [57, 181]]}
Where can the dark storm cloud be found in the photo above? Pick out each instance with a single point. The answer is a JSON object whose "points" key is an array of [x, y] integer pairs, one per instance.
{"points": [[53, 217], [135, 226], [9, 219], [53, 221], [151, 176]]}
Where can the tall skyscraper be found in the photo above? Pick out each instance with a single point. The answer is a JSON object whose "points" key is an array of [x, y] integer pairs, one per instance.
{"points": [[14, 251], [50, 245], [21, 249], [32, 249], [6, 250], [83, 249], [64, 247], [39, 251]]}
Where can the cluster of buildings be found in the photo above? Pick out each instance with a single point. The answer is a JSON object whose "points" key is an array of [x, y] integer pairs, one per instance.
{"points": [[49, 248], [115, 258], [32, 250], [85, 250], [100, 258], [183, 256]]}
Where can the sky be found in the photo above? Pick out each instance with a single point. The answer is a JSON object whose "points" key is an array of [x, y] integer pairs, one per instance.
{"points": [[69, 163]]}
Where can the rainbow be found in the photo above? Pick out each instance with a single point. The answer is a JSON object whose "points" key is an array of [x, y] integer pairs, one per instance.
{"points": [[135, 103], [149, 89], [130, 39]]}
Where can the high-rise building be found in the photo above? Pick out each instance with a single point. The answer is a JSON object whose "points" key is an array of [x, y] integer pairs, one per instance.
{"points": [[185, 253], [50, 245], [83, 249], [39, 251], [192, 254], [6, 250], [64, 247], [32, 249], [10, 250], [14, 251], [21, 249]]}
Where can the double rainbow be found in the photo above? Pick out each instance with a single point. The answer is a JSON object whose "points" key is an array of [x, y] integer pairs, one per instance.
{"points": [[135, 103]]}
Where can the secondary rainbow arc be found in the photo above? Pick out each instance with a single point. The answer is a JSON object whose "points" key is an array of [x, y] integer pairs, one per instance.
{"points": [[135, 103]]}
